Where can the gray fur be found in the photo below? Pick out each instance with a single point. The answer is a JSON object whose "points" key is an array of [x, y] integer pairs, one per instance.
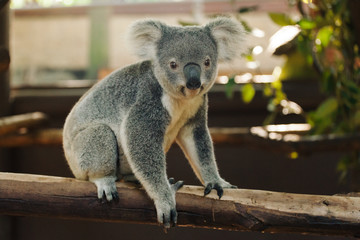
{"points": [[124, 125]]}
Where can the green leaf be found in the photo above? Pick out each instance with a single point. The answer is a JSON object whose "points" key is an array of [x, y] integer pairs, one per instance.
{"points": [[307, 24], [249, 58], [319, 126], [294, 155], [324, 35], [246, 26], [248, 92], [229, 88], [281, 19], [268, 92], [310, 119], [279, 96], [328, 82], [328, 107], [352, 86], [348, 99], [277, 84], [344, 165]]}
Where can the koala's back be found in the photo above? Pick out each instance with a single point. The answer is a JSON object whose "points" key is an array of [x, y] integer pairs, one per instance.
{"points": [[108, 101]]}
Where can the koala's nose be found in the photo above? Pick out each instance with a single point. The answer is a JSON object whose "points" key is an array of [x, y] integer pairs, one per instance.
{"points": [[192, 73]]}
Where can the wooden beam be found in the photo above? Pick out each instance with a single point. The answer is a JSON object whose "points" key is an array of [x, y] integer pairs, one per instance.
{"points": [[47, 137], [5, 165], [4, 57], [239, 209], [285, 142], [12, 124], [265, 138]]}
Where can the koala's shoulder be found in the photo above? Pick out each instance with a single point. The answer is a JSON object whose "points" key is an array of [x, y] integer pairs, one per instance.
{"points": [[132, 72], [134, 81]]}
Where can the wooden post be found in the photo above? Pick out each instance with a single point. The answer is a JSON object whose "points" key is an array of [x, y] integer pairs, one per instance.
{"points": [[4, 73], [354, 7], [99, 40], [4, 57], [5, 222]]}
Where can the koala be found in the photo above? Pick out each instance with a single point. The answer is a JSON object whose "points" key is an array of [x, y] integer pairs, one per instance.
{"points": [[124, 125]]}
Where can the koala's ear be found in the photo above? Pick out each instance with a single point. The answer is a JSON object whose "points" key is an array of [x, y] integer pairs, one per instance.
{"points": [[229, 36], [143, 36]]}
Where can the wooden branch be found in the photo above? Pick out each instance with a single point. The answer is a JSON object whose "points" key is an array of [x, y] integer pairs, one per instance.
{"points": [[285, 141], [239, 209], [290, 139], [14, 123], [4, 58], [51, 136]]}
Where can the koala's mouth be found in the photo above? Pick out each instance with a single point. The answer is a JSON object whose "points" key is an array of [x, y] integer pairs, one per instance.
{"points": [[186, 92]]}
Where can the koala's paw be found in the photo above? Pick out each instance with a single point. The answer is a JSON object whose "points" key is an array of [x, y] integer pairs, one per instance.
{"points": [[175, 185], [167, 216], [166, 208], [106, 189], [218, 186]]}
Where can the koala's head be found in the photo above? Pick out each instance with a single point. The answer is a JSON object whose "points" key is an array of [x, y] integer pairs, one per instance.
{"points": [[185, 59]]}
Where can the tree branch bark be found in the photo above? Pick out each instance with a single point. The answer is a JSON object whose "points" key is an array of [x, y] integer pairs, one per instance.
{"points": [[285, 142], [50, 136], [12, 124], [255, 137], [239, 209]]}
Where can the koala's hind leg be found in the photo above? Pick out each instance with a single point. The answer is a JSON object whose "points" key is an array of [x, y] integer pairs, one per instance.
{"points": [[96, 152]]}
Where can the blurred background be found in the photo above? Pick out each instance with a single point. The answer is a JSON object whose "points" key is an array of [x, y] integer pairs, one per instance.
{"points": [[60, 48], [53, 41]]}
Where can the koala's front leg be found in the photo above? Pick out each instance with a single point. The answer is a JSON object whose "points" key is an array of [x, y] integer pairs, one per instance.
{"points": [[142, 142], [195, 140]]}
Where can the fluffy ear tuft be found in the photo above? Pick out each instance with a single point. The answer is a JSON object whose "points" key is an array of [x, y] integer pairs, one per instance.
{"points": [[229, 36], [143, 36]]}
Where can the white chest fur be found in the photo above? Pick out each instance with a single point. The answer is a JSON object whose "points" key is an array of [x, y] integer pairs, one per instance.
{"points": [[180, 111]]}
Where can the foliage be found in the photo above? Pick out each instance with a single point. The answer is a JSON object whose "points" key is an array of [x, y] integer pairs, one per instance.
{"points": [[327, 41], [278, 101]]}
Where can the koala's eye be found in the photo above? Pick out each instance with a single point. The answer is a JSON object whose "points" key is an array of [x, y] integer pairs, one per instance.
{"points": [[207, 63], [173, 65]]}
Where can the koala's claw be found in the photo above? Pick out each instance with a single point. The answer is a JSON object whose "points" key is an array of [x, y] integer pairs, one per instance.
{"points": [[176, 185], [115, 198], [171, 180], [167, 217], [166, 208], [170, 222], [219, 187], [106, 189], [215, 186]]}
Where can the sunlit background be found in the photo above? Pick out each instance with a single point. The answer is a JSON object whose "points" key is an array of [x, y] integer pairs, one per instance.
{"points": [[15, 4], [54, 41]]}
